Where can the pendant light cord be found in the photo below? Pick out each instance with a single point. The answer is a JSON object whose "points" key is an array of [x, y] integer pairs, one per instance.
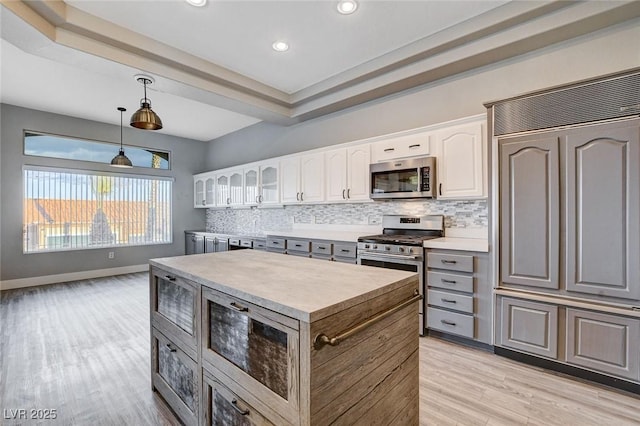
{"points": [[121, 112]]}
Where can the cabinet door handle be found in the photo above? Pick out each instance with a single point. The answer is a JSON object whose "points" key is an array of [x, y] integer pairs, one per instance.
{"points": [[448, 301], [302, 196], [171, 349], [448, 262], [238, 308], [448, 322], [349, 193], [448, 281], [440, 189], [234, 404], [343, 197], [260, 198], [389, 149], [170, 277], [415, 145], [298, 196], [228, 200], [203, 202], [257, 199]]}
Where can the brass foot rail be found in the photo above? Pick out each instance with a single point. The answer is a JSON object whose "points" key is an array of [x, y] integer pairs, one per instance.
{"points": [[322, 339]]}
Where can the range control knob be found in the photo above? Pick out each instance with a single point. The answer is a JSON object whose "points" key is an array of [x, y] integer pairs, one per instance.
{"points": [[387, 248], [366, 246], [375, 246], [401, 249]]}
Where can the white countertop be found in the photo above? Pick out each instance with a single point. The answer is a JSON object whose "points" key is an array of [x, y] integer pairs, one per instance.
{"points": [[302, 288], [464, 244], [348, 233]]}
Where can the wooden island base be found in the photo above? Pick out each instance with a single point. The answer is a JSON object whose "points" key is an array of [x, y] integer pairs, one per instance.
{"points": [[289, 341]]}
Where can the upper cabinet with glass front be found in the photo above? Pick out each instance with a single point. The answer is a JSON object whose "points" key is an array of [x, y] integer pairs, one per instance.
{"points": [[261, 184], [204, 190]]}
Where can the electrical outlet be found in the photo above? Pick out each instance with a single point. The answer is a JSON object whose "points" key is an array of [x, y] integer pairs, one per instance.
{"points": [[112, 255], [374, 220]]}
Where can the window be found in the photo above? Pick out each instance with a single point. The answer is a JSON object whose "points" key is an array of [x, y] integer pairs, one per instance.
{"points": [[71, 210], [52, 146]]}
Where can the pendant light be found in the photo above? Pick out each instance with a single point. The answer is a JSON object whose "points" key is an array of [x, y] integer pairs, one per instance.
{"points": [[121, 160], [145, 118]]}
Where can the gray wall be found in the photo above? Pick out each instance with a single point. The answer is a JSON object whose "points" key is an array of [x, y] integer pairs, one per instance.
{"points": [[187, 158], [603, 52]]}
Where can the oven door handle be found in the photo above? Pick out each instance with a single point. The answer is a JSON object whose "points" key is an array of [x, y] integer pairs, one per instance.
{"points": [[383, 256]]}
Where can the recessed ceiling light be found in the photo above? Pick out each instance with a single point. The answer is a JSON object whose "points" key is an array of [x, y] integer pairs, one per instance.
{"points": [[198, 3], [347, 7], [280, 46]]}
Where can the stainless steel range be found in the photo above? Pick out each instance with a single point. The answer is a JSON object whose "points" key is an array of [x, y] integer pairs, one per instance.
{"points": [[400, 247]]}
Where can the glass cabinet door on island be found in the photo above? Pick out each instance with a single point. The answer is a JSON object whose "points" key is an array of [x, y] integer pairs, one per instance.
{"points": [[175, 309], [175, 376], [255, 347]]}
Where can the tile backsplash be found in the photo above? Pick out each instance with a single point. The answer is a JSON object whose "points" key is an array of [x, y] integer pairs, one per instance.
{"points": [[457, 214]]}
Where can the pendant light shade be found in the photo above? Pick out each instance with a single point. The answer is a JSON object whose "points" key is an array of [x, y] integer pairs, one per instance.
{"points": [[121, 160], [145, 118]]}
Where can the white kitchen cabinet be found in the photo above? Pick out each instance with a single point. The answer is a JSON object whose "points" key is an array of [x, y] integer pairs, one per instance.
{"points": [[302, 179], [229, 187], [461, 165], [261, 184], [347, 173], [204, 190], [198, 192], [413, 145]]}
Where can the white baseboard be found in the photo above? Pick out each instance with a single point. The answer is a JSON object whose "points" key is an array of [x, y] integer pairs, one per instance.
{"points": [[71, 276]]}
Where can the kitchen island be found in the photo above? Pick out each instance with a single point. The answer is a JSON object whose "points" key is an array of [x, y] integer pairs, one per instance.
{"points": [[250, 337]]}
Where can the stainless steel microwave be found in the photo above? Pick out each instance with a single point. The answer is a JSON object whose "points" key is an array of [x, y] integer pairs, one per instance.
{"points": [[409, 178]]}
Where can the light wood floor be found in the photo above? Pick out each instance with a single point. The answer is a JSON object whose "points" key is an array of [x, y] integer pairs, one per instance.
{"points": [[83, 349]]}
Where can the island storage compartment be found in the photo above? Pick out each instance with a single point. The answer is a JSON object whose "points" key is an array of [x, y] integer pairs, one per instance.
{"points": [[255, 347], [175, 376], [223, 405], [175, 308]]}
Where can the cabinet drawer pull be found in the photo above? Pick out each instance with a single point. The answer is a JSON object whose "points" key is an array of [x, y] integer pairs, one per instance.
{"points": [[345, 250], [170, 277], [234, 404], [448, 322], [298, 245], [275, 243], [448, 281], [415, 145], [321, 248], [238, 308], [389, 149], [171, 349], [448, 301], [448, 262]]}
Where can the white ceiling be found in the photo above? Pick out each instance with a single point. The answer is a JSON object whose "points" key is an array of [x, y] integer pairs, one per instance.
{"points": [[215, 71]]}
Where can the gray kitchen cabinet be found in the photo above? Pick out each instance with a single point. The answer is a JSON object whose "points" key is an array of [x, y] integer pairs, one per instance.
{"points": [[603, 211], [529, 326], [209, 244], [459, 293], [530, 211], [604, 342], [299, 247], [193, 243]]}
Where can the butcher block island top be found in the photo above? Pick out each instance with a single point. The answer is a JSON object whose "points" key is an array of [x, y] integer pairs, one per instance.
{"points": [[258, 338]]}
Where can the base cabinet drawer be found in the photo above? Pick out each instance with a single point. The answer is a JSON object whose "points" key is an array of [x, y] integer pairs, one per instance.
{"points": [[176, 377], [449, 281], [223, 407], [529, 327], [451, 262], [450, 300], [604, 342], [451, 322]]}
